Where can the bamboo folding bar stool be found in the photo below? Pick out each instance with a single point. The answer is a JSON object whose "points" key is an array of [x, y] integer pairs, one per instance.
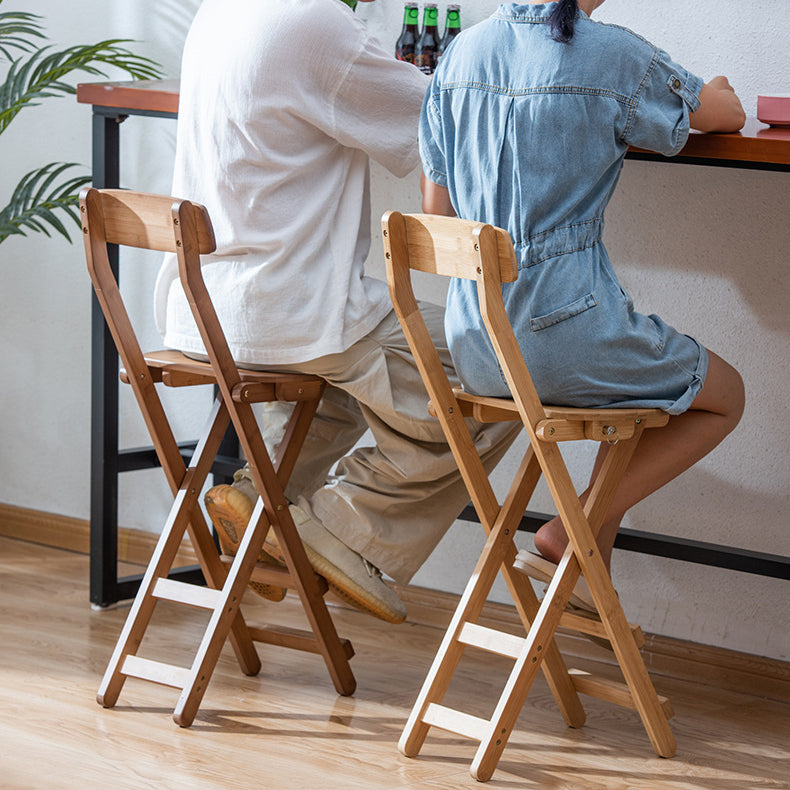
{"points": [[165, 224], [475, 251]]}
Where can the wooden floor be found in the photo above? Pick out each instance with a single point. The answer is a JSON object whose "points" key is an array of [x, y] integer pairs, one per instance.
{"points": [[287, 729]]}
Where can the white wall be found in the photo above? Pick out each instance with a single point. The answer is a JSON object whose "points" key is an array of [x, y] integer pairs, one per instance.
{"points": [[705, 248]]}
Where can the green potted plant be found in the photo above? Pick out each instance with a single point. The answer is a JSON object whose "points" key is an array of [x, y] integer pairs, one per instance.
{"points": [[47, 196]]}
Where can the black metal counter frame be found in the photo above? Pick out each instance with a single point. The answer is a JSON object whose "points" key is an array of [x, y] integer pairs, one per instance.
{"points": [[696, 551], [108, 461]]}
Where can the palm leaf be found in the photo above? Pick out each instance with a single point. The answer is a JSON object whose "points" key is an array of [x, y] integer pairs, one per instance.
{"points": [[17, 29], [37, 197], [42, 74], [46, 199]]}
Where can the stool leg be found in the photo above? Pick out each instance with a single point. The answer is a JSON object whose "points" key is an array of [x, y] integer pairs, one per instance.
{"points": [[184, 515], [498, 553], [517, 688], [204, 546], [582, 526]]}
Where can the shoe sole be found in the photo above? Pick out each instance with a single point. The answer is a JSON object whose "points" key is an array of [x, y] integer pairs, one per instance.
{"points": [[541, 569], [230, 511], [341, 585]]}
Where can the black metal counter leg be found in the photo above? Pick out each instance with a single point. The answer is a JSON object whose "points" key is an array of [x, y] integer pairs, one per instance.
{"points": [[104, 399]]}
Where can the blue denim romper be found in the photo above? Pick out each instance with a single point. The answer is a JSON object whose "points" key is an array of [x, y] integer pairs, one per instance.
{"points": [[530, 134]]}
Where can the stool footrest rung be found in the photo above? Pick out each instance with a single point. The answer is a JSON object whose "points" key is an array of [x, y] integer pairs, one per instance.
{"points": [[456, 722], [278, 575], [155, 671], [592, 625], [491, 640], [294, 638], [190, 594], [611, 691], [269, 574]]}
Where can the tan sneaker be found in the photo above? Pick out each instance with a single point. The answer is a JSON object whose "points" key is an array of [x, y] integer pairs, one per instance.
{"points": [[349, 575], [230, 508]]}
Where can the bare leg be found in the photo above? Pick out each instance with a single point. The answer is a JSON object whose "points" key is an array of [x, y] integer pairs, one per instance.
{"points": [[662, 454]]}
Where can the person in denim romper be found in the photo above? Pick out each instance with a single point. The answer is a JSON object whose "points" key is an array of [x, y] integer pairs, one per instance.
{"points": [[526, 126]]}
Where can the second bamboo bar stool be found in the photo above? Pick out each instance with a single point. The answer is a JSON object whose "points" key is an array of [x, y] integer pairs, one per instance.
{"points": [[458, 248]]}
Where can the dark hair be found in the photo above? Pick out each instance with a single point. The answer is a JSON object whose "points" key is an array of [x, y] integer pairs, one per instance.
{"points": [[563, 20]]}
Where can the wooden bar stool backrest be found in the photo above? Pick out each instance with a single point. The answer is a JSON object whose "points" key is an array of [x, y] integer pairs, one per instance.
{"points": [[143, 221], [482, 253]]}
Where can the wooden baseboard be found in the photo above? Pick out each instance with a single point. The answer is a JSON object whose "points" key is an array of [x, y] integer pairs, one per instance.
{"points": [[135, 546], [675, 658]]}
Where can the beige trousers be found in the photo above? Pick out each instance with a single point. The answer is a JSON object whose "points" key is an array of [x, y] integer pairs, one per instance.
{"points": [[392, 501]]}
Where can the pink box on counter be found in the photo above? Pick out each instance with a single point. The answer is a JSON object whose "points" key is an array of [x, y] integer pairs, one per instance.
{"points": [[774, 110]]}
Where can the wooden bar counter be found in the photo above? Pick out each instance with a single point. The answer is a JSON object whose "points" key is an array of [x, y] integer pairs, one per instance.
{"points": [[756, 147]]}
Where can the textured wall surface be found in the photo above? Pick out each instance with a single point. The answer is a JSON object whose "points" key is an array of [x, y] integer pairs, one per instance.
{"points": [[705, 248]]}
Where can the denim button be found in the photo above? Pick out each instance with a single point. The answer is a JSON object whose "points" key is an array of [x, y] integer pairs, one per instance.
{"points": [[676, 84]]}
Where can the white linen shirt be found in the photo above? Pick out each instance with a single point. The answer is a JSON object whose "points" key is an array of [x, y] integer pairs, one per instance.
{"points": [[281, 104]]}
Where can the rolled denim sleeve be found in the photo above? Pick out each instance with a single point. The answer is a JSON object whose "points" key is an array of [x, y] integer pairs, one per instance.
{"points": [[659, 119], [434, 163]]}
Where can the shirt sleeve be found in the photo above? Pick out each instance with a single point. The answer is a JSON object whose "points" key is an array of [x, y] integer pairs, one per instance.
{"points": [[659, 120], [376, 107], [434, 163]]}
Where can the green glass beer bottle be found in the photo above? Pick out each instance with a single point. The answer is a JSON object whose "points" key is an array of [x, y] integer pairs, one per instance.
{"points": [[452, 27], [407, 41], [428, 42]]}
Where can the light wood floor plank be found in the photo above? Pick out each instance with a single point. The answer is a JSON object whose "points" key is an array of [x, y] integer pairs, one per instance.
{"points": [[287, 729]]}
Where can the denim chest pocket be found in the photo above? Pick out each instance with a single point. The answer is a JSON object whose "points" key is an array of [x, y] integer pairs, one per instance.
{"points": [[570, 310]]}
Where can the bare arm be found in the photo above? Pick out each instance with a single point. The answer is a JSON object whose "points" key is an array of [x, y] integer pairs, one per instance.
{"points": [[720, 109], [435, 199]]}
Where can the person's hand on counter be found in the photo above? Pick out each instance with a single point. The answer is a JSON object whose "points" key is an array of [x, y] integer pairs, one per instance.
{"points": [[720, 109]]}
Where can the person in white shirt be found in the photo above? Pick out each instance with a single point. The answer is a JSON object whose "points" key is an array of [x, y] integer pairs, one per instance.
{"points": [[282, 104]]}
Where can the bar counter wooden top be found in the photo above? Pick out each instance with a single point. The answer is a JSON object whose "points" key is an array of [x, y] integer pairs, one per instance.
{"points": [[756, 143]]}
